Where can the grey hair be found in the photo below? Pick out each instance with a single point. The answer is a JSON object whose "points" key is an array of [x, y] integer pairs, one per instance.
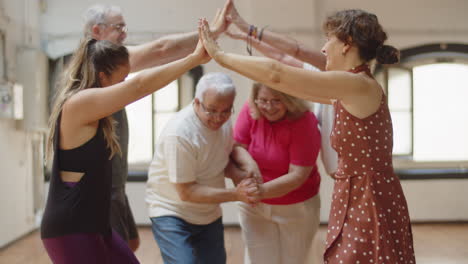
{"points": [[218, 81], [96, 15]]}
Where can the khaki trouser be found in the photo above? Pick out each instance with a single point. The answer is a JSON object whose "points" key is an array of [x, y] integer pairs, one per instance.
{"points": [[279, 234]]}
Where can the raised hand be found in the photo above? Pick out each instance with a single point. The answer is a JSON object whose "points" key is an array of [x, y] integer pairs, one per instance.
{"points": [[220, 24], [201, 53], [232, 16], [207, 38]]}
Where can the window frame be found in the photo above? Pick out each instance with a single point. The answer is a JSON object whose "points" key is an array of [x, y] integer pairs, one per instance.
{"points": [[405, 166], [186, 86]]}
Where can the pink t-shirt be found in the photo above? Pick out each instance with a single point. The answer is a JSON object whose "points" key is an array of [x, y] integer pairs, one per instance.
{"points": [[276, 145]]}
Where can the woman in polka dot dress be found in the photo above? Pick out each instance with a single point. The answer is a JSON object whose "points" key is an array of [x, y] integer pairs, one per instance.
{"points": [[369, 220]]}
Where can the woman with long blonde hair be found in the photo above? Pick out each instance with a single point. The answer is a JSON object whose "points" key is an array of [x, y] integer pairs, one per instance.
{"points": [[76, 225]]}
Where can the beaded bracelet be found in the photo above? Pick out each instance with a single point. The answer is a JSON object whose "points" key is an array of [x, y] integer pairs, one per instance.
{"points": [[252, 32]]}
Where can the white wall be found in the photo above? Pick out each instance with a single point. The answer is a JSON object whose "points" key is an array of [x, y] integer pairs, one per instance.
{"points": [[18, 164], [16, 202]]}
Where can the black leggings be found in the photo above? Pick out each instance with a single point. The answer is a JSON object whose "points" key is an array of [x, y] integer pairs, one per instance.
{"points": [[89, 248]]}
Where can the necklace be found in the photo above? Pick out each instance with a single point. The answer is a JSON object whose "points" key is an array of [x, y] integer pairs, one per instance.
{"points": [[361, 68]]}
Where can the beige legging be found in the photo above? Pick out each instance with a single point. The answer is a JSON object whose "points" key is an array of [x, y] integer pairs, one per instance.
{"points": [[279, 234]]}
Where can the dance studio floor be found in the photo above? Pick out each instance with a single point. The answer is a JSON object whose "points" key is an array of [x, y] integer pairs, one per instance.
{"points": [[434, 244]]}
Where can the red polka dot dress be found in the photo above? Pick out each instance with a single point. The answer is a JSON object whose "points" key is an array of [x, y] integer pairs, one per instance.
{"points": [[369, 220]]}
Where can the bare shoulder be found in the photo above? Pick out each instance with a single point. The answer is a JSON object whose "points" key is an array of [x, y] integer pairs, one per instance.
{"points": [[74, 133], [74, 103], [78, 105], [365, 85], [366, 98], [352, 84]]}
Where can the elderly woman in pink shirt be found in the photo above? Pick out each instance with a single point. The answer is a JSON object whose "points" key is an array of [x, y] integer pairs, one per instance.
{"points": [[283, 139]]}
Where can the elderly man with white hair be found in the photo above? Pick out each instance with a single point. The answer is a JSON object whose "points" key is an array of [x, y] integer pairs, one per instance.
{"points": [[106, 22], [186, 177]]}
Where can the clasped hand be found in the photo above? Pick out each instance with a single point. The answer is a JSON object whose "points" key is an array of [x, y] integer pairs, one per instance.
{"points": [[249, 191]]}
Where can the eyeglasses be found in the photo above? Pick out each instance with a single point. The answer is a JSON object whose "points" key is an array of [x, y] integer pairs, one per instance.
{"points": [[223, 114], [121, 27], [265, 103]]}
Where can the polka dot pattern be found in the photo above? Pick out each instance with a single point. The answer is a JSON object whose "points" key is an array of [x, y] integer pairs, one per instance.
{"points": [[369, 220]]}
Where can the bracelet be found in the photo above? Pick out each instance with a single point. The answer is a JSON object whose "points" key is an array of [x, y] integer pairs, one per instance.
{"points": [[249, 45], [252, 31], [297, 48], [260, 35]]}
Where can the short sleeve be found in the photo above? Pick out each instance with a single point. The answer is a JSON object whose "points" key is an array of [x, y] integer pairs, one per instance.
{"points": [[243, 126], [181, 160], [305, 141]]}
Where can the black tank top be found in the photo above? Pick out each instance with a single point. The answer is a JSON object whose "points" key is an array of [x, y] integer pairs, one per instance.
{"points": [[85, 207]]}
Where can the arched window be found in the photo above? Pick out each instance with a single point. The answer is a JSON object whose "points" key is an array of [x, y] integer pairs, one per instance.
{"points": [[428, 99]]}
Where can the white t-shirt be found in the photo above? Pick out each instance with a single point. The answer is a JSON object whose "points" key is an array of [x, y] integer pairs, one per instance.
{"points": [[187, 151], [325, 115]]}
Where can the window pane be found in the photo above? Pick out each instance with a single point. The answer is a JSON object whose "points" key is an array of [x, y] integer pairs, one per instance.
{"points": [[399, 102], [2, 58], [162, 104], [380, 78], [167, 98], [399, 89], [440, 110], [401, 133], [160, 123], [139, 124], [140, 149]]}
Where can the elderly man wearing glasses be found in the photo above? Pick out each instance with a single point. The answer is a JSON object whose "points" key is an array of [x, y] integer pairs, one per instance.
{"points": [[186, 177], [106, 22]]}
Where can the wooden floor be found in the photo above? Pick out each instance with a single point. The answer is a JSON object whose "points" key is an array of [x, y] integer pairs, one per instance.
{"points": [[434, 244]]}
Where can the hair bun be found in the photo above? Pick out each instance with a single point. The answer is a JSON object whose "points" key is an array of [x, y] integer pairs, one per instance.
{"points": [[387, 54]]}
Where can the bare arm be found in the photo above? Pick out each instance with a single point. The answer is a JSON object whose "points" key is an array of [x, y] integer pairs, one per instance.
{"points": [[268, 50], [280, 186], [274, 53], [234, 173], [312, 86], [92, 104], [181, 164], [358, 94], [285, 44], [161, 51], [246, 191], [242, 158], [173, 47], [284, 184]]}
